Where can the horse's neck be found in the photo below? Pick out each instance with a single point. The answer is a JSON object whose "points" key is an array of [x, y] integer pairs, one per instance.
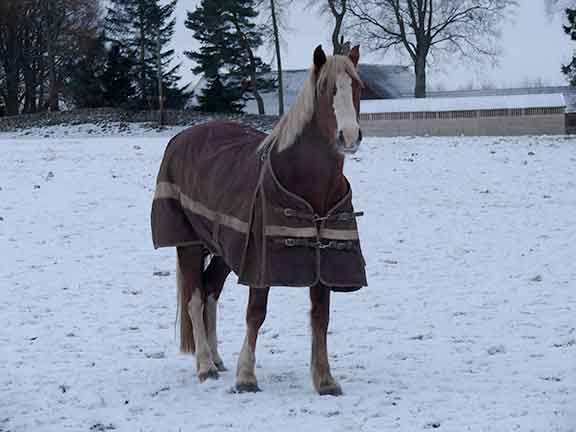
{"points": [[312, 169]]}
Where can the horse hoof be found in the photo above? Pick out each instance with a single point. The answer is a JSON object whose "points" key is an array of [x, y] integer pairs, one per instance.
{"points": [[209, 374], [220, 366], [330, 390], [247, 388]]}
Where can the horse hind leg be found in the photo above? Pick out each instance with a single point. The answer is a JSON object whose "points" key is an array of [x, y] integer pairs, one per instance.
{"points": [[191, 297], [324, 382], [214, 278]]}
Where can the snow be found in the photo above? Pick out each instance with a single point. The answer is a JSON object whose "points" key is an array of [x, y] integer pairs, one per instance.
{"points": [[464, 103], [468, 323]]}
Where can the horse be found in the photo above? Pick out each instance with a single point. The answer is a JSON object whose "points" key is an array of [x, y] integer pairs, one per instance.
{"points": [[305, 155]]}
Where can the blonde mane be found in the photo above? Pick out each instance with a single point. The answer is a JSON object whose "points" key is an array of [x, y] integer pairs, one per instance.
{"points": [[293, 122]]}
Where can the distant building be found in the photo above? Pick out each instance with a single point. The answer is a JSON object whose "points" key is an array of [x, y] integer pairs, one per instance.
{"points": [[380, 82], [513, 114]]}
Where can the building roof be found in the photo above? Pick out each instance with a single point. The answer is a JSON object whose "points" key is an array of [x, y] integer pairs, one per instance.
{"points": [[464, 103], [568, 92], [384, 81], [388, 81]]}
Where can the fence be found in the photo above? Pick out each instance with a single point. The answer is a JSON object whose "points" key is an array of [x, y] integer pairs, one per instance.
{"points": [[492, 122], [104, 115]]}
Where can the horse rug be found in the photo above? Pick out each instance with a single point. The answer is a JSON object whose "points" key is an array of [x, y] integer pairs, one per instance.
{"points": [[217, 189]]}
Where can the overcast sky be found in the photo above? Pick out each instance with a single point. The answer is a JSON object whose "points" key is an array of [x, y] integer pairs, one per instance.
{"points": [[533, 42]]}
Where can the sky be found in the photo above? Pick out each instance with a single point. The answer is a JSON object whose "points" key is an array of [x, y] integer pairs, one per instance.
{"points": [[534, 47]]}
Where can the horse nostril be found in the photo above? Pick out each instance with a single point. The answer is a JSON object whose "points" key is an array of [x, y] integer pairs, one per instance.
{"points": [[360, 136], [341, 137]]}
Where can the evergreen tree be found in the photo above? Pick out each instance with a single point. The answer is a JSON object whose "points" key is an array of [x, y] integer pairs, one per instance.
{"points": [[220, 98], [101, 77], [570, 69], [143, 29], [229, 38], [116, 79], [219, 94], [84, 83]]}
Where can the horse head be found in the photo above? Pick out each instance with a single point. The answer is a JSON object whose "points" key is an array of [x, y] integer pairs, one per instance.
{"points": [[337, 107]]}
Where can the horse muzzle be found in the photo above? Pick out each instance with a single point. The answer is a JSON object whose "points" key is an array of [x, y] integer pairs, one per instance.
{"points": [[348, 140]]}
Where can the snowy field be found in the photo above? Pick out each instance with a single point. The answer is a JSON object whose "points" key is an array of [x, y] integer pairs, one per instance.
{"points": [[469, 322]]}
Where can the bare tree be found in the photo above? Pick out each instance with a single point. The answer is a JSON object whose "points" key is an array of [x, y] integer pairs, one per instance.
{"points": [[65, 23], [274, 16], [337, 10], [11, 12], [427, 28], [32, 59], [37, 39], [274, 26]]}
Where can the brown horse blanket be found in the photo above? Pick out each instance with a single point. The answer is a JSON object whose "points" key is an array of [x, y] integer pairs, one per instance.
{"points": [[217, 189]]}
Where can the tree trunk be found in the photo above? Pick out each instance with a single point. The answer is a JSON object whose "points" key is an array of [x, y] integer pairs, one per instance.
{"points": [[160, 81], [30, 87], [259, 101], [254, 82], [51, 57], [12, 71], [142, 60], [12, 85], [41, 86], [52, 86], [253, 77], [420, 73], [337, 39], [278, 59]]}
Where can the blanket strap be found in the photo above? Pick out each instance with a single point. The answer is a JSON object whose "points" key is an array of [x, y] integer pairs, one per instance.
{"points": [[316, 218], [333, 244]]}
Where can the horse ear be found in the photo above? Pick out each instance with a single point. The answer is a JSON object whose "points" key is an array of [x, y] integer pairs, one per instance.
{"points": [[355, 55], [319, 58]]}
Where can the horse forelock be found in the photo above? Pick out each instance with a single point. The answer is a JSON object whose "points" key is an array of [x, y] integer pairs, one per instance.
{"points": [[293, 122], [335, 66]]}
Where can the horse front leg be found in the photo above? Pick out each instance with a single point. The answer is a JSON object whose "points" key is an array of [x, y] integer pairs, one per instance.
{"points": [[323, 381], [255, 316]]}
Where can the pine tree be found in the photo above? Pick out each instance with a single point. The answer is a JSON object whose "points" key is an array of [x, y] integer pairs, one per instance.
{"points": [[84, 84], [229, 38], [139, 28], [219, 94], [570, 69], [219, 98], [116, 80]]}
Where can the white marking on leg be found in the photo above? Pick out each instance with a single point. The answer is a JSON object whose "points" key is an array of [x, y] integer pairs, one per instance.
{"points": [[246, 362], [211, 315], [204, 363]]}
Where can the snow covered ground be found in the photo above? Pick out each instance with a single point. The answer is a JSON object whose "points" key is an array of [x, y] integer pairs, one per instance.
{"points": [[469, 322]]}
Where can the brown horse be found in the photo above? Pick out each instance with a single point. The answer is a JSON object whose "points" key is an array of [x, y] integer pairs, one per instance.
{"points": [[306, 150]]}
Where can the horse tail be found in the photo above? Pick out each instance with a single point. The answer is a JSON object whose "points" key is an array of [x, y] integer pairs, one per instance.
{"points": [[187, 344]]}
